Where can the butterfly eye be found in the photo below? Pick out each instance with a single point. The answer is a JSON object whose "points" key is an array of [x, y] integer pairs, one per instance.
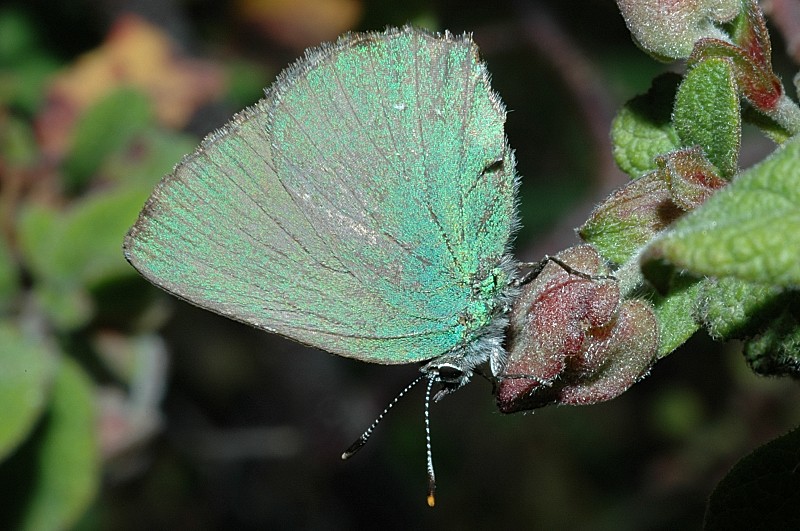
{"points": [[449, 373]]}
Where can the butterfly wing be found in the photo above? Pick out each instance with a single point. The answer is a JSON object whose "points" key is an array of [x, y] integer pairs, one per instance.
{"points": [[363, 207]]}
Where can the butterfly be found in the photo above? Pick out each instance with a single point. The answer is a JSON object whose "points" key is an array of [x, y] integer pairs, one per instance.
{"points": [[365, 206]]}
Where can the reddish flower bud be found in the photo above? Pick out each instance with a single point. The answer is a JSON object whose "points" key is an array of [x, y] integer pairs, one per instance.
{"points": [[572, 340]]}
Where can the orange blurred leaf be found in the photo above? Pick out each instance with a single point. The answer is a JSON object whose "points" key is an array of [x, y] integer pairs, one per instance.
{"points": [[136, 54], [301, 23]]}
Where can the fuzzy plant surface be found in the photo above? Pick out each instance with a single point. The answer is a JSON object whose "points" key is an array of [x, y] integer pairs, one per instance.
{"points": [[705, 243]]}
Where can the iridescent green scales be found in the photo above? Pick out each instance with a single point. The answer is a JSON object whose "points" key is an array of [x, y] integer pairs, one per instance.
{"points": [[364, 207]]}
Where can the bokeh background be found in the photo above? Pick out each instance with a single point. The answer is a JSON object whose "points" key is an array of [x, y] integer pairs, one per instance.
{"points": [[149, 413]]}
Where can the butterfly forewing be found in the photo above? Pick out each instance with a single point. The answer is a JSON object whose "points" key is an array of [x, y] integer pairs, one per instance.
{"points": [[355, 209]]}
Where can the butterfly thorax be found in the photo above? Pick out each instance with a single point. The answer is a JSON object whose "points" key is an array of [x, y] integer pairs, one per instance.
{"points": [[485, 303], [484, 322]]}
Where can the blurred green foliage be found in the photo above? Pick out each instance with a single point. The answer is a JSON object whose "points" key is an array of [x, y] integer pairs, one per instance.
{"points": [[63, 214]]}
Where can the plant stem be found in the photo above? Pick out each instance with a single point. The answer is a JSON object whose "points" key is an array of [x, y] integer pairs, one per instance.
{"points": [[787, 114]]}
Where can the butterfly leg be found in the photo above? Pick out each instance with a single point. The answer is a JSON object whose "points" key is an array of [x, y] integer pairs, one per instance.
{"points": [[493, 380], [537, 267]]}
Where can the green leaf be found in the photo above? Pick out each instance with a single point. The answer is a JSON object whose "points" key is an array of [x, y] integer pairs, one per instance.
{"points": [[735, 309], [762, 492], [776, 352], [246, 82], [83, 244], [17, 142], [643, 128], [24, 384], [17, 37], [89, 247], [24, 86], [104, 128], [9, 279], [675, 312], [70, 252], [51, 480], [156, 154], [749, 230], [707, 113], [58, 293], [630, 217], [36, 229], [68, 306]]}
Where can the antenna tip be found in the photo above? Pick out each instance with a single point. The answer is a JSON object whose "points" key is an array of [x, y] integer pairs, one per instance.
{"points": [[356, 446], [431, 490]]}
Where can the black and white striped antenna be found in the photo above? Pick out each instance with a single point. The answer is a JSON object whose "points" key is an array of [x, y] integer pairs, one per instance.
{"points": [[361, 441]]}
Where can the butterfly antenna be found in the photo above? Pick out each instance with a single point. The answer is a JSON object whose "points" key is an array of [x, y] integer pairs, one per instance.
{"points": [[431, 475], [361, 441]]}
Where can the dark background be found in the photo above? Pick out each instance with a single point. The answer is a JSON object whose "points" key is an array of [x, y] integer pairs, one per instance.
{"points": [[252, 425]]}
